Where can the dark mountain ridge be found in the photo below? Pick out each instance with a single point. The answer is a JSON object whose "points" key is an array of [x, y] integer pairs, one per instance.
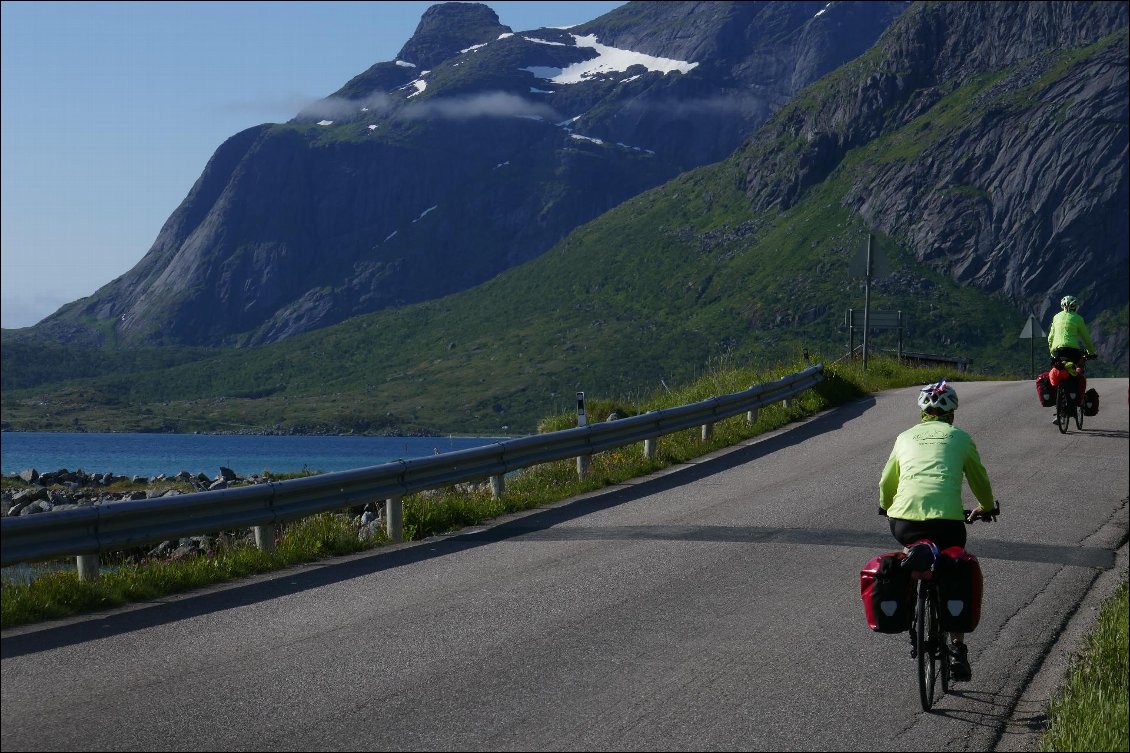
{"points": [[472, 152], [1030, 200]]}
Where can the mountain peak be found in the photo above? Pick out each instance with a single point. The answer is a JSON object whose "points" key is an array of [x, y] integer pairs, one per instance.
{"points": [[447, 28]]}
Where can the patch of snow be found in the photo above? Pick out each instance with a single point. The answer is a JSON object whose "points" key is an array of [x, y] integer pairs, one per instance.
{"points": [[420, 86], [364, 109], [325, 122], [474, 47], [505, 34], [585, 138], [545, 41], [390, 235], [539, 91], [404, 64], [826, 7], [608, 60], [629, 79], [372, 128]]}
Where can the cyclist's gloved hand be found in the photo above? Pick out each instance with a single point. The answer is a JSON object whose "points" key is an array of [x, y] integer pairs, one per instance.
{"points": [[986, 515]]}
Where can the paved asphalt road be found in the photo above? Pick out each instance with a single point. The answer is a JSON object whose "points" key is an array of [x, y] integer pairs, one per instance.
{"points": [[712, 607]]}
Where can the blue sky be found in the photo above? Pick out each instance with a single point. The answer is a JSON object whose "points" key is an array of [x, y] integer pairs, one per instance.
{"points": [[110, 111]]}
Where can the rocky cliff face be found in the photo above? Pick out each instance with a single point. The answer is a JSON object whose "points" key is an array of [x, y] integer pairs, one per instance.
{"points": [[475, 150], [991, 138]]}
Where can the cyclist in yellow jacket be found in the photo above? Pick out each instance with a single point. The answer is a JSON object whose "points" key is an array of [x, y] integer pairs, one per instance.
{"points": [[920, 489], [1069, 341], [1068, 337]]}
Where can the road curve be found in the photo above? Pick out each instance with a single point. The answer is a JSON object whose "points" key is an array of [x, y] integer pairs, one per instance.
{"points": [[714, 606]]}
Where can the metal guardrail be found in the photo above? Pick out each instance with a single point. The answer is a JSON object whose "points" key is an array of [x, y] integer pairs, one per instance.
{"points": [[961, 363], [120, 525]]}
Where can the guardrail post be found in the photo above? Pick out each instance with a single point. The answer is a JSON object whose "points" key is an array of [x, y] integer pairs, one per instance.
{"points": [[497, 486], [751, 416], [394, 518], [788, 403], [87, 565], [707, 432], [583, 466], [265, 537], [649, 448]]}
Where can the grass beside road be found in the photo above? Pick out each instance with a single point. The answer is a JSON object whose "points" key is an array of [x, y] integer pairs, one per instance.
{"points": [[1090, 713]]}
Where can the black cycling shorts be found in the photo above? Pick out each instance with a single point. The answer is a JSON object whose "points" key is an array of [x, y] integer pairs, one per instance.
{"points": [[1067, 354], [944, 533]]}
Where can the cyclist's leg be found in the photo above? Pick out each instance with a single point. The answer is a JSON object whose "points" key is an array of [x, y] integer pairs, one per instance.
{"points": [[960, 669]]}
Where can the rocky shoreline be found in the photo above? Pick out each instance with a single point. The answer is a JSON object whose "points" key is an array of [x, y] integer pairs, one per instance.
{"points": [[60, 490], [65, 490]]}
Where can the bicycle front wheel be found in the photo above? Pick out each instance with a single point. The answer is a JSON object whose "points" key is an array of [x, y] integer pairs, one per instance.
{"points": [[1061, 411], [925, 633]]}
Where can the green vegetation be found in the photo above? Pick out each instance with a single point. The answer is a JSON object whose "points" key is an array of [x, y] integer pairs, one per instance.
{"points": [[1091, 711], [135, 576]]}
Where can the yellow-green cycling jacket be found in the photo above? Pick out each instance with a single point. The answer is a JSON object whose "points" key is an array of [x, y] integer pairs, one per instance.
{"points": [[1068, 330], [922, 478]]}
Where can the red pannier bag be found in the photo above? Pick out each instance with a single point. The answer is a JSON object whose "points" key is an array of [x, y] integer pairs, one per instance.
{"points": [[888, 593], [1045, 391], [960, 587]]}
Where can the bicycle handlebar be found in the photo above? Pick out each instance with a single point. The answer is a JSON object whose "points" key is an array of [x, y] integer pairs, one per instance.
{"points": [[972, 515]]}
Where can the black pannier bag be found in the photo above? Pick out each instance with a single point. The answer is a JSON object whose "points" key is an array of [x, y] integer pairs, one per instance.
{"points": [[1091, 402]]}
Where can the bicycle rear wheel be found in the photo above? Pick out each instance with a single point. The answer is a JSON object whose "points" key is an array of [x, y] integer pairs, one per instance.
{"points": [[1079, 417], [926, 626], [1062, 417]]}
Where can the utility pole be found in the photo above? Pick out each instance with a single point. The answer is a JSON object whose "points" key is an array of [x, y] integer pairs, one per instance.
{"points": [[866, 300]]}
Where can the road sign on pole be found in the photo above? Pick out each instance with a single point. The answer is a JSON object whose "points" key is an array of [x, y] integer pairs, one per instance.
{"points": [[1031, 331], [864, 320]]}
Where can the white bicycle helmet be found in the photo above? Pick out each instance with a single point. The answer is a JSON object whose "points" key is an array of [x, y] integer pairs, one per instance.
{"points": [[937, 399], [1069, 303]]}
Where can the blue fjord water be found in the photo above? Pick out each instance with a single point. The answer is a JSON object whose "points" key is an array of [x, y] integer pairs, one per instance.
{"points": [[154, 454]]}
